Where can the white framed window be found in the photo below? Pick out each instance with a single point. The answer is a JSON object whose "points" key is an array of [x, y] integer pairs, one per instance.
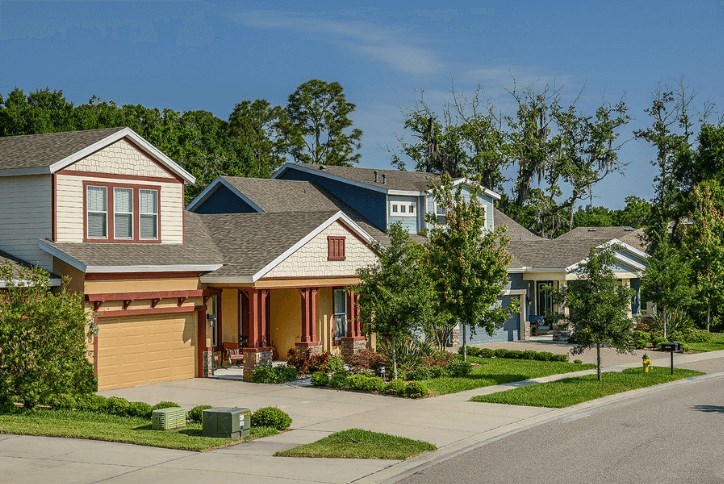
{"points": [[340, 314], [148, 208], [402, 209], [123, 213], [440, 214], [97, 208]]}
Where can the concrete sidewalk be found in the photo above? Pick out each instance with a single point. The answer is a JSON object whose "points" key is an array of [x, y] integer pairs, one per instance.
{"points": [[450, 422]]}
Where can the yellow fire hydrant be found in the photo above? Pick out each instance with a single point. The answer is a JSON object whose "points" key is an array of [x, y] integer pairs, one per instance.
{"points": [[646, 362]]}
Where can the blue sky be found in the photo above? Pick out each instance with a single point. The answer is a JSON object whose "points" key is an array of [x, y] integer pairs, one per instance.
{"points": [[210, 55]]}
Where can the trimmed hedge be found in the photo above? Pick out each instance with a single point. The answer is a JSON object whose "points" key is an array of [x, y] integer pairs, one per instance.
{"points": [[196, 414], [277, 374], [396, 388], [365, 383], [320, 379], [416, 389], [514, 354]]}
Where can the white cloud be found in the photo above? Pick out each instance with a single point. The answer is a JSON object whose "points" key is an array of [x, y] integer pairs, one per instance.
{"points": [[391, 47]]}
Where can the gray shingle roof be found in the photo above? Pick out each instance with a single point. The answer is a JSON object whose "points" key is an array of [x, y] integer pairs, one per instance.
{"points": [[277, 196], [396, 179], [513, 229], [250, 241], [16, 264], [623, 233], [39, 150], [198, 249]]}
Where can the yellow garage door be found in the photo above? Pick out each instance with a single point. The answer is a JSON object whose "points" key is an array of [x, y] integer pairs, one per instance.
{"points": [[148, 349]]}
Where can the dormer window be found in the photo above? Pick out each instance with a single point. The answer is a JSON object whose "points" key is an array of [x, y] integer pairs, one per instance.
{"points": [[116, 212], [402, 209]]}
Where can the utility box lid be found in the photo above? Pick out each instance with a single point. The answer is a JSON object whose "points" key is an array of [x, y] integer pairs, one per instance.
{"points": [[230, 423]]}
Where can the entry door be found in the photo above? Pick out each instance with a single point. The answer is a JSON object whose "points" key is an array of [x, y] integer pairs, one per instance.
{"points": [[545, 298]]}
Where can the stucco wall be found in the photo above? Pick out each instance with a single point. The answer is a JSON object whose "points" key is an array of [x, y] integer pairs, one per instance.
{"points": [[229, 316], [311, 259], [285, 319]]}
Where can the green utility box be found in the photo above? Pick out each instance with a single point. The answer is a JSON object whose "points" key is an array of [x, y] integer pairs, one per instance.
{"points": [[230, 423], [168, 418]]}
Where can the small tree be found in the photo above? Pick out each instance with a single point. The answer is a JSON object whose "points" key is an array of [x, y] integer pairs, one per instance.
{"points": [[598, 305], [395, 294], [42, 339], [467, 263]]}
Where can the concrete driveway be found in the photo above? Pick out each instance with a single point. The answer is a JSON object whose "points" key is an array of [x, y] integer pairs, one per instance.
{"points": [[450, 421]]}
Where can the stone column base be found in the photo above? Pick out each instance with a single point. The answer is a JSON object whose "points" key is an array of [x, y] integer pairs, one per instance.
{"points": [[352, 345], [526, 330], [255, 357], [314, 347], [455, 336], [208, 363]]}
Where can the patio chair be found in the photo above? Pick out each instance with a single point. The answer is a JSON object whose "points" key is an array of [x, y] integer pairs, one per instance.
{"points": [[232, 353]]}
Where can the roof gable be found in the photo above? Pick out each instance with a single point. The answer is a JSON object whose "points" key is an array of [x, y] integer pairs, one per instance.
{"points": [[39, 154]]}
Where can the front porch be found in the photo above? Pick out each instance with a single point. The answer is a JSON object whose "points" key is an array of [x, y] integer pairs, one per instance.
{"points": [[267, 319]]}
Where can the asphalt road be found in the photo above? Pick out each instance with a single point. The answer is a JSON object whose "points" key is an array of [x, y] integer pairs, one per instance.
{"points": [[671, 435]]}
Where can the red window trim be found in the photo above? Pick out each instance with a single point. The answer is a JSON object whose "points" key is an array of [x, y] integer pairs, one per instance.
{"points": [[336, 248], [111, 222]]}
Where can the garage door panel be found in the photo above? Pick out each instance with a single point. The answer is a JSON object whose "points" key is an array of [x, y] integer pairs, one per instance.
{"points": [[149, 349]]}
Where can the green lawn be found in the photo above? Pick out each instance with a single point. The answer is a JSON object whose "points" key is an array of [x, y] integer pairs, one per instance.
{"points": [[716, 343], [495, 371], [571, 391], [131, 430], [360, 444]]}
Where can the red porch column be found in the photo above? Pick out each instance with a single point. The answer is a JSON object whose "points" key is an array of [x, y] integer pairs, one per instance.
{"points": [[350, 315], [357, 320], [308, 297], [257, 353], [263, 318], [354, 341]]}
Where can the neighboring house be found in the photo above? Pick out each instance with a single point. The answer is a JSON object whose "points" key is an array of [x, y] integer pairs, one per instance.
{"points": [[166, 287], [375, 199]]}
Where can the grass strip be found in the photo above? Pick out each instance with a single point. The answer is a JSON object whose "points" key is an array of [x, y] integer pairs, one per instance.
{"points": [[111, 428], [360, 444], [496, 371], [715, 344], [571, 391]]}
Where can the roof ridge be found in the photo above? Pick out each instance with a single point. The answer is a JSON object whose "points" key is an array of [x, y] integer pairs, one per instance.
{"points": [[56, 133]]}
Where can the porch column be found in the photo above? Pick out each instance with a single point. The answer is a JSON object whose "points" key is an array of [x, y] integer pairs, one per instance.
{"points": [[205, 355], [354, 342], [257, 353], [308, 297]]}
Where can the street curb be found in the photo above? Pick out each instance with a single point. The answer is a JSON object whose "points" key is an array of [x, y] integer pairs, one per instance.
{"points": [[412, 466]]}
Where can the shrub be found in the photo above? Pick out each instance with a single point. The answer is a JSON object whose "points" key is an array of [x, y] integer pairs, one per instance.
{"points": [[395, 387], [419, 373], [117, 406], [486, 353], [458, 368], [366, 360], [366, 383], [91, 403], [334, 364], [641, 339], [472, 351], [578, 362], [320, 379], [439, 372], [164, 404], [561, 358], [139, 409], [269, 374], [318, 362], [339, 380], [658, 340], [416, 389], [299, 358], [286, 373], [697, 336], [63, 401], [502, 353], [271, 417], [196, 414]]}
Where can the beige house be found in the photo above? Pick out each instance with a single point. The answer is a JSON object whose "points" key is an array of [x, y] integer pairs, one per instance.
{"points": [[167, 289]]}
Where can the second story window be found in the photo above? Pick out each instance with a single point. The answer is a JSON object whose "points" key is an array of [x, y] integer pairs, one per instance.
{"points": [[123, 213], [149, 214], [97, 203], [402, 209], [440, 214]]}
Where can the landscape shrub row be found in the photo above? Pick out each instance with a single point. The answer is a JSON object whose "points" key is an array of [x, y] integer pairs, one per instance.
{"points": [[369, 383], [263, 417], [514, 354], [276, 374]]}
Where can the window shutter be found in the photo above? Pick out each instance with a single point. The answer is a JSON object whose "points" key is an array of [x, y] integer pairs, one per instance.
{"points": [[336, 248]]}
